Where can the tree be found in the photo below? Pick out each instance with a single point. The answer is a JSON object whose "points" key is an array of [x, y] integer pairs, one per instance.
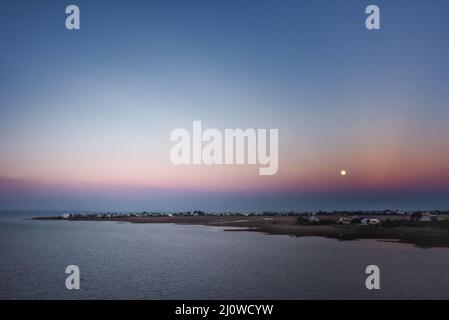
{"points": [[416, 215]]}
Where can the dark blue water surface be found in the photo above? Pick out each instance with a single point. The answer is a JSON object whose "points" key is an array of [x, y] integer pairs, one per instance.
{"points": [[168, 261]]}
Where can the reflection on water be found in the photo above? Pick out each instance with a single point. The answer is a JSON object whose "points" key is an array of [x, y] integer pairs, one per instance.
{"points": [[164, 261]]}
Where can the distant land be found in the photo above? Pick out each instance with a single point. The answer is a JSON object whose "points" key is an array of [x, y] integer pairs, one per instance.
{"points": [[424, 229]]}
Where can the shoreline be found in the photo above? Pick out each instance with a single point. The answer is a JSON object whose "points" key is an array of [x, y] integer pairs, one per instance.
{"points": [[423, 237]]}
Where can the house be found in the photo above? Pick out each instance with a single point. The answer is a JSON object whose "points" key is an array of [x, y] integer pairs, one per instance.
{"points": [[426, 219], [345, 220], [65, 216], [367, 221], [313, 219]]}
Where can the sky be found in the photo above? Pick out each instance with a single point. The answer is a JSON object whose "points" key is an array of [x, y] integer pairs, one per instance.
{"points": [[86, 115]]}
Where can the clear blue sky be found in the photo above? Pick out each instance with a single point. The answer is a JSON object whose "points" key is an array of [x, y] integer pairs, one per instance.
{"points": [[85, 115]]}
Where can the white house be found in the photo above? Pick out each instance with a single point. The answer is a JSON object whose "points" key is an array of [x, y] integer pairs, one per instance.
{"points": [[345, 220], [313, 219], [367, 221], [426, 219]]}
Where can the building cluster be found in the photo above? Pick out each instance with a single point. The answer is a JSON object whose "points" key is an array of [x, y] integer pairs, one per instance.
{"points": [[342, 217], [374, 218]]}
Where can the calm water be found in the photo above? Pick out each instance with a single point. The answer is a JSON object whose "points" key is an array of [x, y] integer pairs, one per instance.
{"points": [[160, 261]]}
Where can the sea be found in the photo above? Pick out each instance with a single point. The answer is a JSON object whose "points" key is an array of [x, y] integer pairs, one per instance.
{"points": [[168, 261]]}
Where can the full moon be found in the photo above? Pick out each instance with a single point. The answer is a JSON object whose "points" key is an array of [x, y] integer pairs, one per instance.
{"points": [[343, 172]]}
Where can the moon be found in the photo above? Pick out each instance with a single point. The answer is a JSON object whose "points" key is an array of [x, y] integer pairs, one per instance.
{"points": [[343, 172]]}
